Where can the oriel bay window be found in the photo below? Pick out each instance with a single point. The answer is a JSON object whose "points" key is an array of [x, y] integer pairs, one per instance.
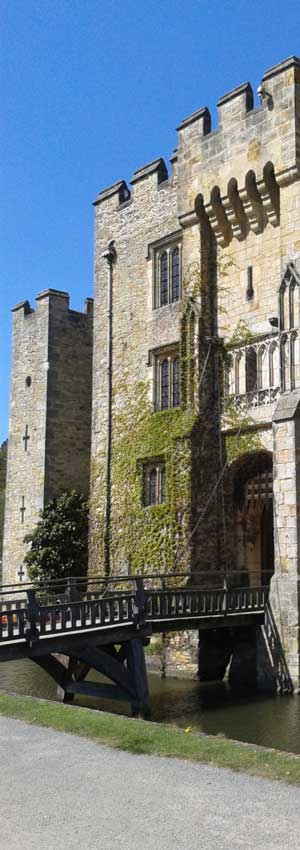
{"points": [[154, 483], [166, 379]]}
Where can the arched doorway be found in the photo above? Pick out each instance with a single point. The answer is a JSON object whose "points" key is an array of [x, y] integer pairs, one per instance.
{"points": [[252, 478]]}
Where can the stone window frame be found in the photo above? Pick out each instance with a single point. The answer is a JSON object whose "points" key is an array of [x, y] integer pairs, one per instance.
{"points": [[289, 298], [159, 357], [289, 322], [268, 377], [154, 482], [158, 251], [288, 363], [273, 350], [261, 357]]}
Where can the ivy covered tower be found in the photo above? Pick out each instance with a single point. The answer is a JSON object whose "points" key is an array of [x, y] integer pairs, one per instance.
{"points": [[154, 332]]}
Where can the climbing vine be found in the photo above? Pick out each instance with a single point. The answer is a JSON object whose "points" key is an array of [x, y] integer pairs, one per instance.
{"points": [[146, 538], [151, 538]]}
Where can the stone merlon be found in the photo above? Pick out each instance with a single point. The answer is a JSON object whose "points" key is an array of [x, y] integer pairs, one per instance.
{"points": [[119, 188], [156, 166], [202, 115], [291, 62], [56, 296]]}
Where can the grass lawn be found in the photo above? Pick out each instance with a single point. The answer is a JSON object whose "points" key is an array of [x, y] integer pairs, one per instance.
{"points": [[140, 736]]}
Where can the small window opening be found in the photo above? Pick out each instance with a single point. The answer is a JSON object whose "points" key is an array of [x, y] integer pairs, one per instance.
{"points": [[154, 483], [249, 290]]}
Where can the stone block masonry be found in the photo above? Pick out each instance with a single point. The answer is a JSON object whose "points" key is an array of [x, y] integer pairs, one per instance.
{"points": [[285, 584], [50, 415]]}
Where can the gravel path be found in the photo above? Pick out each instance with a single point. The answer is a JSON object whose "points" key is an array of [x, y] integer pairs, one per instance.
{"points": [[61, 792]]}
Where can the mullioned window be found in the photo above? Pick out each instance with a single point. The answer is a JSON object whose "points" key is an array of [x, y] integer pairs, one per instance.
{"points": [[154, 483], [166, 378], [167, 276]]}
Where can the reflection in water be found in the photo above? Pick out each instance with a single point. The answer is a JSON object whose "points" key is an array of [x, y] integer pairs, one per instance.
{"points": [[269, 720]]}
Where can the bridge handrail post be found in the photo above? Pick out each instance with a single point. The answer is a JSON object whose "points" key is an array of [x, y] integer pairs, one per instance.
{"points": [[139, 603], [72, 592], [31, 632], [225, 596]]}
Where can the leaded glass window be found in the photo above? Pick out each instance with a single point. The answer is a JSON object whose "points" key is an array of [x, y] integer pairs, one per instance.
{"points": [[164, 294], [166, 379], [167, 275], [175, 275], [164, 385], [175, 386]]}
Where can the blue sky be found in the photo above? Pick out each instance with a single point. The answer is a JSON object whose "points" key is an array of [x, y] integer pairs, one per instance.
{"points": [[91, 90]]}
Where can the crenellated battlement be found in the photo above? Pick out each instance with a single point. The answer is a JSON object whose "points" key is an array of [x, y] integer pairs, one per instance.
{"points": [[233, 172], [154, 173], [57, 301]]}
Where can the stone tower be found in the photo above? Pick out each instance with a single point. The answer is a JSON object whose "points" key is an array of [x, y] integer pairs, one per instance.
{"points": [[50, 415], [205, 294]]}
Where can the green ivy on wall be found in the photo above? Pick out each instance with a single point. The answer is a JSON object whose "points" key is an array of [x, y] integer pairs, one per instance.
{"points": [[147, 537]]}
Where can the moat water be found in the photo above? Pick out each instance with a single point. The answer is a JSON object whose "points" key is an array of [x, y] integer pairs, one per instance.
{"points": [[273, 721]]}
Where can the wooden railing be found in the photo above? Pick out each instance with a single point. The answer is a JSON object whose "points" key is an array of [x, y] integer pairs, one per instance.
{"points": [[39, 613], [174, 604]]}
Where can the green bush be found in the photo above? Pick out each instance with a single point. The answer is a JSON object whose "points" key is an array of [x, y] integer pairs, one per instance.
{"points": [[59, 542]]}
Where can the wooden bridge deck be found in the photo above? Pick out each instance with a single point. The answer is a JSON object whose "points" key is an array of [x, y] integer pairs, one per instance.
{"points": [[104, 624], [106, 614]]}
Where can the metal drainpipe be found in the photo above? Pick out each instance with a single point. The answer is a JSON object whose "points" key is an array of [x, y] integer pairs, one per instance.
{"points": [[109, 255]]}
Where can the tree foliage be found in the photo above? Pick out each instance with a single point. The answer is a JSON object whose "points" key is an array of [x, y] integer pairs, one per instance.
{"points": [[59, 542]]}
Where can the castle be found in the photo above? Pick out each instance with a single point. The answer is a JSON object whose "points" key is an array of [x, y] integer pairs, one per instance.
{"points": [[175, 399]]}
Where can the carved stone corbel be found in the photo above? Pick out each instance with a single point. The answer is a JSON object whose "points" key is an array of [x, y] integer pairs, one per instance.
{"points": [[252, 203], [235, 211], [269, 193], [218, 218]]}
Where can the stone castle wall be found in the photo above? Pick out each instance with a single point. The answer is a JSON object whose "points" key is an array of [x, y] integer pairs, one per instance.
{"points": [[232, 201], [50, 402], [69, 411], [28, 406]]}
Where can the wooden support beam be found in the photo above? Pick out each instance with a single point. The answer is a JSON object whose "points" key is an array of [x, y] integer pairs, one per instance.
{"points": [[137, 671], [101, 690], [54, 668], [108, 666]]}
